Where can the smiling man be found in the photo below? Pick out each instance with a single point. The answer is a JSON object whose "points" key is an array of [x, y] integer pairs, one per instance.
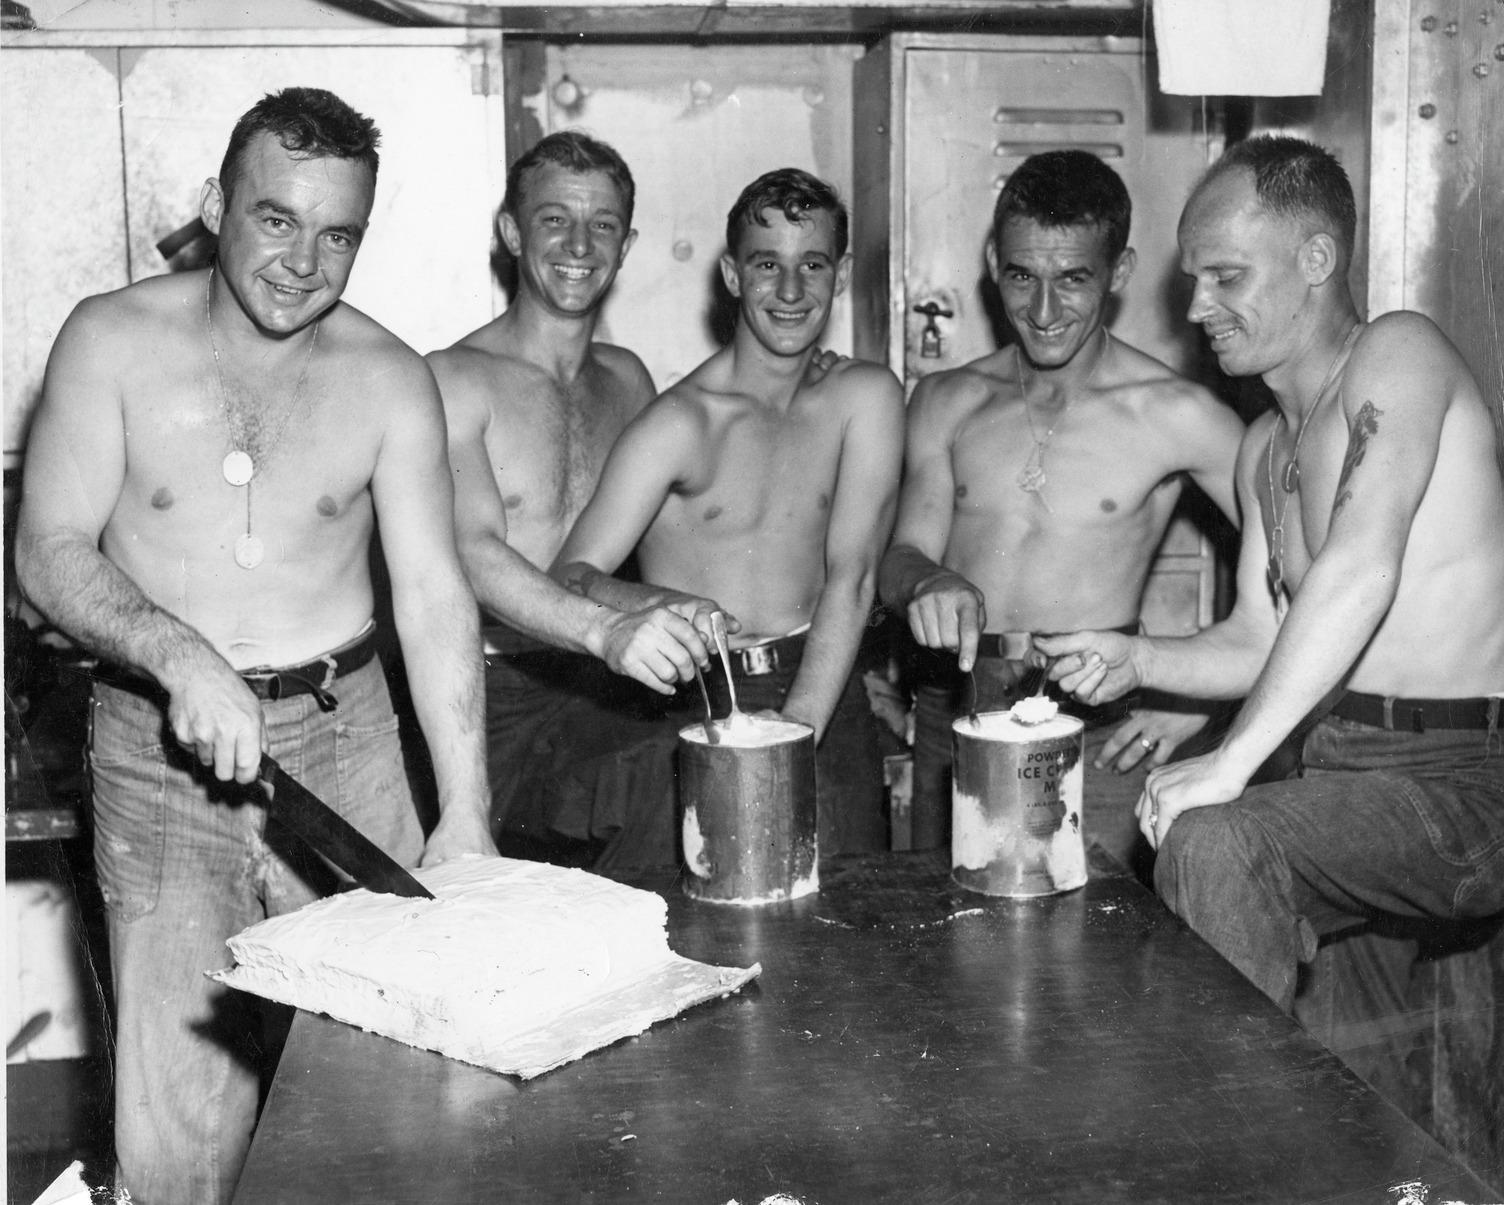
{"points": [[1369, 615], [1038, 484], [208, 464], [534, 404], [765, 481]]}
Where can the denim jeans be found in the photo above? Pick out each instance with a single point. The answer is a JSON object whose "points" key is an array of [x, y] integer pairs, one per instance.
{"points": [[186, 862], [1383, 828], [943, 694]]}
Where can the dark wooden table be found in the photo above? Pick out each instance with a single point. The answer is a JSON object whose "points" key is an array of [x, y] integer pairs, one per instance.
{"points": [[907, 1041]]}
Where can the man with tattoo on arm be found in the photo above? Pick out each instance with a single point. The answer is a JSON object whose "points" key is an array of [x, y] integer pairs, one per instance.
{"points": [[1370, 593], [210, 459]]}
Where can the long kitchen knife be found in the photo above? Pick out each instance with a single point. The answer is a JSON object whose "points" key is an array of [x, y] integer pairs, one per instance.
{"points": [[330, 834]]}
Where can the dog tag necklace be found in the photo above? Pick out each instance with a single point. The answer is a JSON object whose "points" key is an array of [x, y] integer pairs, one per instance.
{"points": [[239, 466], [1031, 478], [1290, 478]]}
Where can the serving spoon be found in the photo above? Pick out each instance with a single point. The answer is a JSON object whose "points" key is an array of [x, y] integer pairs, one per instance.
{"points": [[712, 733], [718, 630]]}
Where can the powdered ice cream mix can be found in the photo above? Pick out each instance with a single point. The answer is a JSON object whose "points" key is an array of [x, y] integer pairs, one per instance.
{"points": [[1016, 805]]}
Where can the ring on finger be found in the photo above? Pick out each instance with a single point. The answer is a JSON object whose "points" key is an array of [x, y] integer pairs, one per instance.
{"points": [[1149, 745]]}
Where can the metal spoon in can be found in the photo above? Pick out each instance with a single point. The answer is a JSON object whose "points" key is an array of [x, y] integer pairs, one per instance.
{"points": [[712, 733], [718, 629]]}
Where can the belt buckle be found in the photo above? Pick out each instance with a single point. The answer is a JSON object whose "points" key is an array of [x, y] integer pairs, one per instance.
{"points": [[758, 660]]}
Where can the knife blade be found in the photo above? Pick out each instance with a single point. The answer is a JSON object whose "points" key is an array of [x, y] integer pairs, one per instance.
{"points": [[330, 834]]}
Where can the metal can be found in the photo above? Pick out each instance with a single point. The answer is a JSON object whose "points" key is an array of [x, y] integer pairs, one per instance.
{"points": [[1016, 805], [750, 825]]}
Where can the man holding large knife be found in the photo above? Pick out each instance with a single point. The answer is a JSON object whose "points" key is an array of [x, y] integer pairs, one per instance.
{"points": [[209, 461]]}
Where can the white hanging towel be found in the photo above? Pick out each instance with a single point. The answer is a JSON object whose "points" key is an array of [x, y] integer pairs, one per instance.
{"points": [[1241, 47]]}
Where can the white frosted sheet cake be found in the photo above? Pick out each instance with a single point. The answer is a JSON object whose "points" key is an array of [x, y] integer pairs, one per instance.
{"points": [[516, 966]]}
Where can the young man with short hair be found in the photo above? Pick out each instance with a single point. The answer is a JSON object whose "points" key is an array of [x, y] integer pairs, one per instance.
{"points": [[534, 404], [765, 481]]}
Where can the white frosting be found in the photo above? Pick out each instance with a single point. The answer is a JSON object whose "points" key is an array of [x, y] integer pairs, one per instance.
{"points": [[1005, 726], [744, 731], [506, 968]]}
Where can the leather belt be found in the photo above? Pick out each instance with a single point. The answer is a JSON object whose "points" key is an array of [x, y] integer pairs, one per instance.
{"points": [[271, 682], [1417, 715], [1015, 646], [1010, 646], [759, 660]]}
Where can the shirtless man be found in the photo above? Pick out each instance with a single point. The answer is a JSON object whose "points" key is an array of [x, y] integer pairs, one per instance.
{"points": [[209, 459], [766, 482], [1370, 591], [534, 404], [1038, 484]]}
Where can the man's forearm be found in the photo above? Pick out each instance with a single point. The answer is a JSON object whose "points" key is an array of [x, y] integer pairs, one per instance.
{"points": [[1331, 620], [84, 595], [829, 652], [903, 571], [441, 649], [591, 583], [1219, 662], [517, 592]]}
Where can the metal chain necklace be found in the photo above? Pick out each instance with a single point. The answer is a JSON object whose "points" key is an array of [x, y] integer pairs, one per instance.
{"points": [[1290, 477], [1031, 478], [239, 467]]}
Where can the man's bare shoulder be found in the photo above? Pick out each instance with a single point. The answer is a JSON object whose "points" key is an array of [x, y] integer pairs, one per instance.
{"points": [[861, 380], [370, 358], [1406, 340], [954, 393], [1160, 392], [689, 402], [622, 363], [483, 357], [142, 312]]}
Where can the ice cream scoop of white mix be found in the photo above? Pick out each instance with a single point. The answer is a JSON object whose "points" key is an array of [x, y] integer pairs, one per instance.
{"points": [[1036, 709], [748, 731]]}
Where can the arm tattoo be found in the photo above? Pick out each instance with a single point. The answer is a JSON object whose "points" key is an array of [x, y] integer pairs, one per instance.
{"points": [[1365, 425]]}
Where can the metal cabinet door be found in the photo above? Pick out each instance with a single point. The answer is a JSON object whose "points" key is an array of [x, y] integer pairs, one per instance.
{"points": [[62, 220], [696, 124], [972, 110], [964, 112]]}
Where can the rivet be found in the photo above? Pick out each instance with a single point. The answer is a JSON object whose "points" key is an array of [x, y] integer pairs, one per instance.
{"points": [[684, 250], [1499, 52], [701, 90], [1451, 29], [1428, 111], [1451, 137], [1427, 24], [814, 95], [1481, 70]]}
